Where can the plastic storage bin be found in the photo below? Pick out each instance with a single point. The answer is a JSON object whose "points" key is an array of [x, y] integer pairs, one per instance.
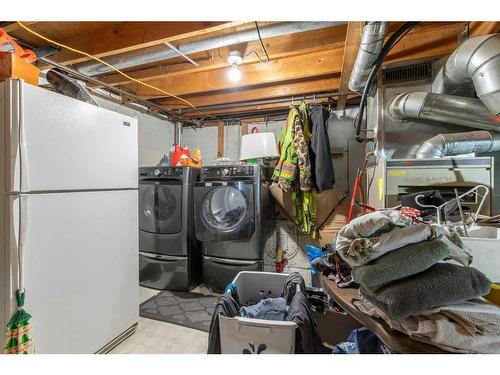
{"points": [[256, 336]]}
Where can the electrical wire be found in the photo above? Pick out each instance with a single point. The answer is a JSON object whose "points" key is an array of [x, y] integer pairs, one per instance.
{"points": [[262, 44], [256, 54], [391, 42], [31, 31]]}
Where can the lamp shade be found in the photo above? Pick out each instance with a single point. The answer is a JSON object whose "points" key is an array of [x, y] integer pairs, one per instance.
{"points": [[258, 145]]}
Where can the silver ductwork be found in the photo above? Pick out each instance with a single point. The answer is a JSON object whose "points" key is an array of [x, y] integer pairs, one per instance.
{"points": [[372, 40], [162, 52], [476, 61], [441, 108], [442, 145]]}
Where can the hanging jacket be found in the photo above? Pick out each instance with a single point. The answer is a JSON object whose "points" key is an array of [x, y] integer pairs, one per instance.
{"points": [[301, 139], [293, 171], [321, 155], [286, 168]]}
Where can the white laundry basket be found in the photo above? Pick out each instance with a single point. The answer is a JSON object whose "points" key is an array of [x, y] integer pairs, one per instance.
{"points": [[257, 336]]}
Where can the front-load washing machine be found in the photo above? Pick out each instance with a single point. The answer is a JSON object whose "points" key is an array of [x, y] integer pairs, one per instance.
{"points": [[234, 218], [169, 254]]}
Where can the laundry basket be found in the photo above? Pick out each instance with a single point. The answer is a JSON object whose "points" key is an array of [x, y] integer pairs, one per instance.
{"points": [[257, 336]]}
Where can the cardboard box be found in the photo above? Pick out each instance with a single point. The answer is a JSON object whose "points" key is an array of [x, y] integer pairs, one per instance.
{"points": [[12, 66], [333, 224], [326, 202]]}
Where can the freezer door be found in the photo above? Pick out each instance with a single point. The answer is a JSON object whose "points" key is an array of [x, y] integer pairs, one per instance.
{"points": [[80, 267], [56, 143]]}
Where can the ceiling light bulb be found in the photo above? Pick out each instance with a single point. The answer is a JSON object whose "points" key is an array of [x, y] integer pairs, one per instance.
{"points": [[234, 73]]}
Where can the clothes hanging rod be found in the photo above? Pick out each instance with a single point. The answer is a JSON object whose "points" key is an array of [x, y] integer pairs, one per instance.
{"points": [[291, 99]]}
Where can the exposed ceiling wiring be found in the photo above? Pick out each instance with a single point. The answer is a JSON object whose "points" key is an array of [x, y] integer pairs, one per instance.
{"points": [[31, 31], [252, 51], [262, 44]]}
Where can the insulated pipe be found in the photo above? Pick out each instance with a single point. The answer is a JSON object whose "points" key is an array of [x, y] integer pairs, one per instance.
{"points": [[178, 133], [442, 145], [372, 41], [162, 52], [476, 60], [443, 108]]}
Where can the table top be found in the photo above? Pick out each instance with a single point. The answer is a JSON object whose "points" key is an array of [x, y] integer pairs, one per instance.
{"points": [[394, 340]]}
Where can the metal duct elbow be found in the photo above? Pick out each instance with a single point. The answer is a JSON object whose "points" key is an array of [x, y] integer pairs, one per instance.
{"points": [[446, 109], [372, 40], [476, 61], [453, 144]]}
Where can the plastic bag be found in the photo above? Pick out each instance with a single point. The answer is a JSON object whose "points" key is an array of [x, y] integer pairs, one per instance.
{"points": [[313, 252]]}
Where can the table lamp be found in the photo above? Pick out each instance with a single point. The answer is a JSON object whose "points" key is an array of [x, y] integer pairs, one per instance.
{"points": [[257, 146]]}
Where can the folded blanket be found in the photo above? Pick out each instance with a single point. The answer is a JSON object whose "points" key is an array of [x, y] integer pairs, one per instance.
{"points": [[407, 261], [469, 327], [440, 285], [370, 236]]}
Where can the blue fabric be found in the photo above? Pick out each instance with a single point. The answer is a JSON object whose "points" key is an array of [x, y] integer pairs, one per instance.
{"points": [[313, 252], [268, 309], [360, 341]]}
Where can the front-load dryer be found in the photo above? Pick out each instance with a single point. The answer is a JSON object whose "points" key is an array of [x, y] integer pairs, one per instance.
{"points": [[234, 217], [169, 254]]}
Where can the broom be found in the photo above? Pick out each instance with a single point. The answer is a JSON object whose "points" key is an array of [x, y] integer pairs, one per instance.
{"points": [[19, 335]]}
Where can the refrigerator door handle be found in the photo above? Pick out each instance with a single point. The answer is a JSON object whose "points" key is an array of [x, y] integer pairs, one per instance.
{"points": [[24, 181], [21, 239]]}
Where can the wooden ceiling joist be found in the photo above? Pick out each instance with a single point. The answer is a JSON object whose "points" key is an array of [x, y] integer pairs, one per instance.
{"points": [[301, 63], [312, 64], [289, 89], [278, 47], [129, 36], [352, 40]]}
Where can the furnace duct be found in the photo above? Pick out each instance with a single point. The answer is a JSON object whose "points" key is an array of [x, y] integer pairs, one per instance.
{"points": [[372, 41], [453, 144], [474, 65]]}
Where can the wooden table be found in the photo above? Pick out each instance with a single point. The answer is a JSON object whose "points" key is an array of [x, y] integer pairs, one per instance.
{"points": [[394, 340]]}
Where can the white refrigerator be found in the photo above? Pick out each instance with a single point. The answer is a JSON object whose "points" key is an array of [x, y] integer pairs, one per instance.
{"points": [[69, 178]]}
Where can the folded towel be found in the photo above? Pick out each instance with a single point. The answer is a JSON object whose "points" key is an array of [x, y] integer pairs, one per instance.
{"points": [[440, 285], [407, 261], [470, 327]]}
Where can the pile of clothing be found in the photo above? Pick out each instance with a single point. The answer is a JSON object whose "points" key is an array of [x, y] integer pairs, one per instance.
{"points": [[305, 164], [291, 306], [403, 279]]}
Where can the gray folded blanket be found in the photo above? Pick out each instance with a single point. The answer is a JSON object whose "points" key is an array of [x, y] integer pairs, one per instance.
{"points": [[395, 265], [440, 285]]}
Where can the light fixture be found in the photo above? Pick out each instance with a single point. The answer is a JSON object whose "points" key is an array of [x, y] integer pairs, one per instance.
{"points": [[234, 59], [258, 146]]}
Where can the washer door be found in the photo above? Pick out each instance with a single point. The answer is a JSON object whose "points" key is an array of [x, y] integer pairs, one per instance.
{"points": [[160, 206], [224, 211]]}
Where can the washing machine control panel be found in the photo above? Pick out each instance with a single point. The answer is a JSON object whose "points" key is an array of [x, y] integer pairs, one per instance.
{"points": [[161, 172], [227, 171]]}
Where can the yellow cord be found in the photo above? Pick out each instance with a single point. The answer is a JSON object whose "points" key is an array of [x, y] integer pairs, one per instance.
{"points": [[108, 65]]}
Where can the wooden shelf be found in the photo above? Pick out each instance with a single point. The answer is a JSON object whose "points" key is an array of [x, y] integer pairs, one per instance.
{"points": [[394, 340]]}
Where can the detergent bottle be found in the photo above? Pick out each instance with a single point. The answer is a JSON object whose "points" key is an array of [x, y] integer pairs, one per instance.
{"points": [[196, 159], [178, 155]]}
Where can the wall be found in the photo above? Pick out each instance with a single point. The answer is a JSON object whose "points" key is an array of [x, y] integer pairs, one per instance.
{"points": [[156, 136], [347, 156]]}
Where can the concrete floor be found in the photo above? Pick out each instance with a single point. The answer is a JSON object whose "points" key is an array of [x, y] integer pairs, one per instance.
{"points": [[155, 337]]}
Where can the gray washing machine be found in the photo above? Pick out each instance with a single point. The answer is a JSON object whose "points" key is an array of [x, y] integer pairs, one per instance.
{"points": [[169, 254], [234, 217]]}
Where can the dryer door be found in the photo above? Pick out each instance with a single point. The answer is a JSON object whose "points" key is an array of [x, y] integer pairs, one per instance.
{"points": [[224, 210], [160, 206]]}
